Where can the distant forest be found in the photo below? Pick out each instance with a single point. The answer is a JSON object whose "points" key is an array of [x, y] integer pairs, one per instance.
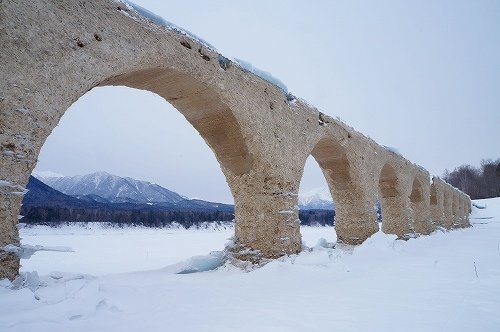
{"points": [[149, 218], [478, 183]]}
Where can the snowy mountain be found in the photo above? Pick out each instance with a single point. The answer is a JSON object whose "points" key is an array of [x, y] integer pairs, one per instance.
{"points": [[45, 205], [112, 188], [46, 174], [319, 199]]}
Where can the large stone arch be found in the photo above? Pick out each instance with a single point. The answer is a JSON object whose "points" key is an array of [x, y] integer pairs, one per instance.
{"points": [[47, 72], [419, 199], [355, 217], [394, 202], [200, 103]]}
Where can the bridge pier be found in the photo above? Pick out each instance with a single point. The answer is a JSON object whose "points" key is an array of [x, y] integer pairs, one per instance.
{"points": [[11, 196], [437, 203], [457, 214], [397, 216], [9, 204], [466, 207], [448, 209], [395, 204], [266, 213], [463, 213], [355, 216], [420, 206], [18, 141]]}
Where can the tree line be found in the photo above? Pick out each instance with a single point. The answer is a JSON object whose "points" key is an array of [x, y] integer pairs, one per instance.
{"points": [[478, 182], [55, 215]]}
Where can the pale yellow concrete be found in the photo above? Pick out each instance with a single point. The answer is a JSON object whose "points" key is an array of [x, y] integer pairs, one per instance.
{"points": [[53, 52]]}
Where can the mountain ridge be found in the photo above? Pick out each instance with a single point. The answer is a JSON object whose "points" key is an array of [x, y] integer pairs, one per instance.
{"points": [[316, 199], [113, 188]]}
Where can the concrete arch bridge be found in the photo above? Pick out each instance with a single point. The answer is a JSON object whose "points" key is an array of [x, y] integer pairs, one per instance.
{"points": [[53, 52]]}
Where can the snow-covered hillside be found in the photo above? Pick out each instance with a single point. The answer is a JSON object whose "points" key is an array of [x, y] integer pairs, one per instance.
{"points": [[319, 198], [114, 188], [447, 281]]}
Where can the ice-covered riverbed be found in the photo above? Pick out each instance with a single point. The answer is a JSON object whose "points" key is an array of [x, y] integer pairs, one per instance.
{"points": [[424, 284], [99, 250]]}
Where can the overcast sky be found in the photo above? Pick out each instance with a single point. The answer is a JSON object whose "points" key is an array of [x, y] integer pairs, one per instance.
{"points": [[420, 76]]}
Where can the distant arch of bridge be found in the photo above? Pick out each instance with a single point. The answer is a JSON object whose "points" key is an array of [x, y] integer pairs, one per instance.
{"points": [[53, 52]]}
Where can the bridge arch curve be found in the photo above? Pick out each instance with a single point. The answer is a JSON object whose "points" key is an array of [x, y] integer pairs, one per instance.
{"points": [[355, 217], [332, 158], [203, 108]]}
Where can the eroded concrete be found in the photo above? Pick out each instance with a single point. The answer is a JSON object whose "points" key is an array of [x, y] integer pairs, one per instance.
{"points": [[52, 53]]}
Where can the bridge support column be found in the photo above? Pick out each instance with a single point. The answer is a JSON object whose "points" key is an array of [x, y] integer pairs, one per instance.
{"points": [[422, 218], [355, 215], [19, 146], [457, 214], [464, 222], [9, 263], [267, 221], [420, 206], [436, 204], [437, 214], [12, 185], [397, 216], [395, 203], [466, 210], [448, 211]]}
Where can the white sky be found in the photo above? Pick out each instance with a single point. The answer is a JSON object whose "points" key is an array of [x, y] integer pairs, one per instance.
{"points": [[421, 76]]}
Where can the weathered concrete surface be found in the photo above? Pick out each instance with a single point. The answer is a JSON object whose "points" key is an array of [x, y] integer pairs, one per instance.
{"points": [[437, 202], [53, 52], [420, 205]]}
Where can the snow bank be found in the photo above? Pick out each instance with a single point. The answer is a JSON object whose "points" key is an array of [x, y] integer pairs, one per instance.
{"points": [[423, 284]]}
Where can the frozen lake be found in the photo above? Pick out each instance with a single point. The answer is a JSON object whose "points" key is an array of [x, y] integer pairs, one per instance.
{"points": [[128, 280], [100, 251]]}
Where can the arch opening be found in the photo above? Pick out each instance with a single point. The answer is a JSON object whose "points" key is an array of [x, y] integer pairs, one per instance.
{"points": [[354, 217], [388, 182], [332, 159], [315, 203], [216, 136], [202, 106], [416, 195]]}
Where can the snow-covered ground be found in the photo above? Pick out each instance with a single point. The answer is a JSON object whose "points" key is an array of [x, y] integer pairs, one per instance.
{"points": [[424, 284]]}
